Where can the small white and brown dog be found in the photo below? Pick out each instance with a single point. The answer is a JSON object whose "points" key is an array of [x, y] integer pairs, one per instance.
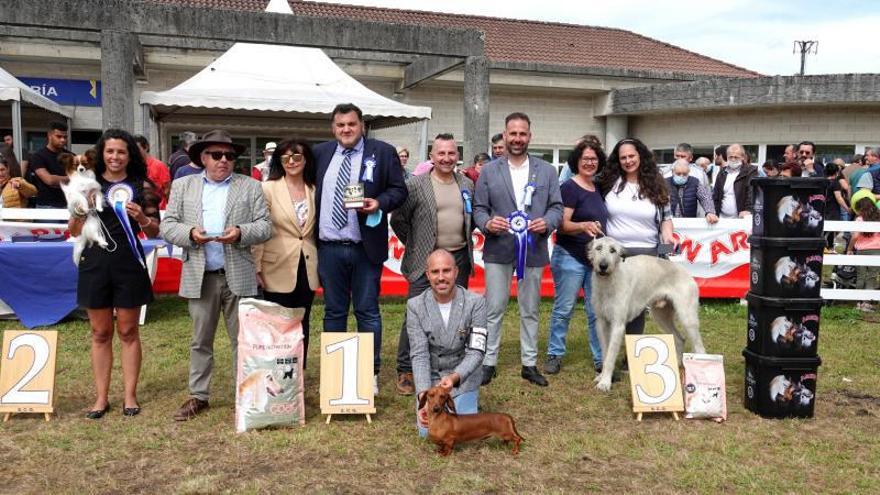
{"points": [[624, 286], [84, 199]]}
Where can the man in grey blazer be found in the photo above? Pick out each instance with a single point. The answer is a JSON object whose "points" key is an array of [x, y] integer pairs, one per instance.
{"points": [[447, 334], [522, 183], [436, 215], [215, 216]]}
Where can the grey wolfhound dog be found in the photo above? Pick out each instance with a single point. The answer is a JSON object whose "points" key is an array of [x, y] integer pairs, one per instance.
{"points": [[623, 287]]}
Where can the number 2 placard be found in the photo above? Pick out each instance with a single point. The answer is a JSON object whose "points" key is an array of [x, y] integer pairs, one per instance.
{"points": [[347, 373], [27, 371], [653, 373]]}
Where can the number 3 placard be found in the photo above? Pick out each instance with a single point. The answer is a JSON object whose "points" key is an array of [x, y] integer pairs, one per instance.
{"points": [[27, 372], [347, 373], [653, 373]]}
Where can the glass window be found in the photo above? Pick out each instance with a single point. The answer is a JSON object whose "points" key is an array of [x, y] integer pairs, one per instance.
{"points": [[829, 152], [544, 154], [563, 156], [776, 152], [664, 155]]}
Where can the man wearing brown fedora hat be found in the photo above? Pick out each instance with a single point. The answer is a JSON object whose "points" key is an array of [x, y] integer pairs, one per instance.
{"points": [[214, 216]]}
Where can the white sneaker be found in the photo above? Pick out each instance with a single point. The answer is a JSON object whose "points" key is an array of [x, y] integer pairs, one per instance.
{"points": [[375, 385]]}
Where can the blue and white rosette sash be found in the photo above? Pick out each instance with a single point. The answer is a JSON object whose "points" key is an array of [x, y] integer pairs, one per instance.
{"points": [[117, 195], [369, 166], [519, 224]]}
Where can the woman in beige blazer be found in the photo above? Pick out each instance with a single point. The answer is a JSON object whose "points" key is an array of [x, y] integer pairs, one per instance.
{"points": [[287, 264]]}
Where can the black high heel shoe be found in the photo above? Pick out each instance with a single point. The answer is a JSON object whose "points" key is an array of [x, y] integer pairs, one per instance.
{"points": [[131, 411], [98, 414]]}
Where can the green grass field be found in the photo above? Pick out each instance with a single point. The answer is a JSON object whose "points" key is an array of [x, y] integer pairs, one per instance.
{"points": [[577, 440]]}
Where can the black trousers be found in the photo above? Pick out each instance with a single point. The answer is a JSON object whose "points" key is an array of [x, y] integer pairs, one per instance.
{"points": [[416, 287], [301, 297]]}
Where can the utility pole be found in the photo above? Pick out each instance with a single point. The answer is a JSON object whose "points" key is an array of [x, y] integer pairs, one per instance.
{"points": [[805, 47]]}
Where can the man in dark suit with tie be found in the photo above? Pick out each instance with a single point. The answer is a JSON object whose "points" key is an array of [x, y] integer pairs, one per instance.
{"points": [[353, 242]]}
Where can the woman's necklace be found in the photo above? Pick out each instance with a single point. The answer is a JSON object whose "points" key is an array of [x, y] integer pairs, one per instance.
{"points": [[634, 188]]}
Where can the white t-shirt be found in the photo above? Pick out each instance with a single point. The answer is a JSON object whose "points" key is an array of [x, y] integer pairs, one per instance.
{"points": [[631, 221], [519, 176], [445, 308], [728, 203]]}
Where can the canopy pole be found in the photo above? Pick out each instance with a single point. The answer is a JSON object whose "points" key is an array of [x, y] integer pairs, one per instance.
{"points": [[17, 135], [147, 130], [423, 141]]}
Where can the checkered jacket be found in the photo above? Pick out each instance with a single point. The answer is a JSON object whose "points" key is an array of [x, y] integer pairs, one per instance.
{"points": [[245, 208], [415, 223]]}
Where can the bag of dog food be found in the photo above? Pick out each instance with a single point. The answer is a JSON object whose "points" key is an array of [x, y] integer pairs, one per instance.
{"points": [[705, 395], [269, 384]]}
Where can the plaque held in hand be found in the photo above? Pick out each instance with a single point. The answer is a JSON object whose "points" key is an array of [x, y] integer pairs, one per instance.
{"points": [[353, 196]]}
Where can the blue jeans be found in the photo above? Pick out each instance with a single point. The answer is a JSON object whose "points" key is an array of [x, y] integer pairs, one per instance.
{"points": [[349, 277], [466, 403], [569, 275]]}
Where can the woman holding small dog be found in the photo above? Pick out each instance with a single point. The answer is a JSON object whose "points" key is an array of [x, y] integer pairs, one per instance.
{"points": [[115, 277], [639, 212], [287, 264], [584, 216]]}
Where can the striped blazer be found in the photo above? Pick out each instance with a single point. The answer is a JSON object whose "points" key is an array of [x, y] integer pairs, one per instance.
{"points": [[415, 223], [245, 209], [438, 350]]}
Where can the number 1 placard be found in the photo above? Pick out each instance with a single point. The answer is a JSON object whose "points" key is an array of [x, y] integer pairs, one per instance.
{"points": [[347, 373], [27, 372], [653, 374]]}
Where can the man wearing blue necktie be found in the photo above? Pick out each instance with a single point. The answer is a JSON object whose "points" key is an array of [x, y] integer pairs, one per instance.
{"points": [[353, 242]]}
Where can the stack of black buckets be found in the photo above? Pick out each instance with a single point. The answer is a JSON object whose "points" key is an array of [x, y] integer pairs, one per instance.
{"points": [[784, 306]]}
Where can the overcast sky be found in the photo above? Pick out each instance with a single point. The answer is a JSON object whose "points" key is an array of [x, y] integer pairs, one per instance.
{"points": [[757, 35]]}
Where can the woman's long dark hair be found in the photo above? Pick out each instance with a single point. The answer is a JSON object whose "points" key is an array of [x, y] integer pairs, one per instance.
{"points": [[136, 170], [651, 183], [276, 169]]}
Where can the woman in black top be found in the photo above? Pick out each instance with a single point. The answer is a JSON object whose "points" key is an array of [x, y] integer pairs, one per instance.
{"points": [[115, 277]]}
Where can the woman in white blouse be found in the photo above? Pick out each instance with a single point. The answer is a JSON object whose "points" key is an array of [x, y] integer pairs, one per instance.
{"points": [[639, 213], [287, 264]]}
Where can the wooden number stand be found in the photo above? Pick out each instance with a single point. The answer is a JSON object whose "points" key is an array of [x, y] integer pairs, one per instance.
{"points": [[347, 374], [27, 373], [653, 373]]}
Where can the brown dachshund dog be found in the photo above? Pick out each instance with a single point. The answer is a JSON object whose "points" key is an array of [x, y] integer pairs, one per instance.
{"points": [[446, 427]]}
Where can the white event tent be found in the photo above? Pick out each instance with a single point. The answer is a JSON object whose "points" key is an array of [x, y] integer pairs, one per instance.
{"points": [[275, 81], [18, 94]]}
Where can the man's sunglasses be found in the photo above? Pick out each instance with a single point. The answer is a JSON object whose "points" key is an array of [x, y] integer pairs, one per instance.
{"points": [[217, 155], [295, 158]]}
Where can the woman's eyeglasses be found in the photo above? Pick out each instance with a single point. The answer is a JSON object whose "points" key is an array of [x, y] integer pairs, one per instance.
{"points": [[217, 155], [295, 158]]}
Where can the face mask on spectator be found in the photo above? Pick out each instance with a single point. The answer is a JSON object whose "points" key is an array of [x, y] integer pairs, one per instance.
{"points": [[679, 180], [734, 165]]}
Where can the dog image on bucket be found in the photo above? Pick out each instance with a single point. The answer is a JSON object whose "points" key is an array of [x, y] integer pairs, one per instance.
{"points": [[787, 392], [792, 275], [794, 214], [788, 334], [269, 385]]}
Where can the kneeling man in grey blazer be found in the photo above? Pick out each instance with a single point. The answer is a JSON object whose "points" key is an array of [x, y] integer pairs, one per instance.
{"points": [[447, 337]]}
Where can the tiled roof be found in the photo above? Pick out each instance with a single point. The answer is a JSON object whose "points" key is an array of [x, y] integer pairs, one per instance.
{"points": [[512, 40]]}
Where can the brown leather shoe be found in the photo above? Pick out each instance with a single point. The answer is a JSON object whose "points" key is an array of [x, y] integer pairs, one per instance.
{"points": [[405, 385], [190, 409]]}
